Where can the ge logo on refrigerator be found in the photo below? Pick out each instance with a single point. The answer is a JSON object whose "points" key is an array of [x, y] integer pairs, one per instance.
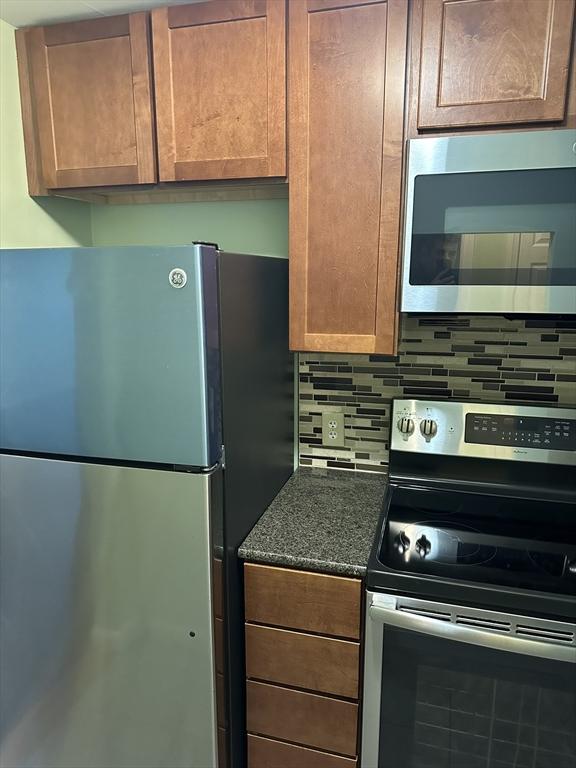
{"points": [[177, 278]]}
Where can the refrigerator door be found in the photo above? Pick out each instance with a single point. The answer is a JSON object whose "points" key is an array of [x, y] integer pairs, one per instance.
{"points": [[109, 353], [106, 633]]}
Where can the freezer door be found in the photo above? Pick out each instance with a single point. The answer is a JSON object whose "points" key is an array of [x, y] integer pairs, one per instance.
{"points": [[103, 355], [106, 633]]}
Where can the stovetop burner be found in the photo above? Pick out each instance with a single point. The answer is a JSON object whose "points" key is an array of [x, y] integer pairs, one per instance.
{"points": [[436, 542], [457, 547], [431, 532], [481, 505]]}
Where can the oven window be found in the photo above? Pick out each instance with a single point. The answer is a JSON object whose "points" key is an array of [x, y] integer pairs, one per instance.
{"points": [[450, 705], [498, 228]]}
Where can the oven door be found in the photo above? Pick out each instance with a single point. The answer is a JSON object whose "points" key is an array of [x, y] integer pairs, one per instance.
{"points": [[491, 224], [453, 687]]}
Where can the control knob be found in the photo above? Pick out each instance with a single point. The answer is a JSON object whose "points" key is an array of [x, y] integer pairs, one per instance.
{"points": [[402, 543], [572, 567], [423, 546], [406, 426], [429, 428]]}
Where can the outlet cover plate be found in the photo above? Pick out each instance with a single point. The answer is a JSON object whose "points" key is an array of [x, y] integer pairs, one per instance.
{"points": [[333, 430]]}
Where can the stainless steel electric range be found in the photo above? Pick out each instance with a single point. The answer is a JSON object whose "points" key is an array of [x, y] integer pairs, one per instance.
{"points": [[471, 591]]}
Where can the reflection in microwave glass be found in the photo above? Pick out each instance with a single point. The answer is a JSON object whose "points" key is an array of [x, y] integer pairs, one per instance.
{"points": [[486, 258]]}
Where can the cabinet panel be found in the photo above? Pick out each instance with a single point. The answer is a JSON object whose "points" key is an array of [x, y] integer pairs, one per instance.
{"points": [[220, 89], [313, 602], [87, 88], [493, 62], [346, 85], [320, 664], [308, 719], [267, 753]]}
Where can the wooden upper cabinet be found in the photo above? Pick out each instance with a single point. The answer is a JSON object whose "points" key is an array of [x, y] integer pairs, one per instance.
{"points": [[86, 103], [220, 89], [492, 62], [346, 95]]}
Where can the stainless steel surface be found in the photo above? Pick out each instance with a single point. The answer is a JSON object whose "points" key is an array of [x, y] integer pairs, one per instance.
{"points": [[372, 690], [527, 150], [510, 633], [449, 439], [122, 357], [104, 573], [490, 629]]}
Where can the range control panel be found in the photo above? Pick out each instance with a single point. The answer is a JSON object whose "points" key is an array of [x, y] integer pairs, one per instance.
{"points": [[529, 431], [484, 430]]}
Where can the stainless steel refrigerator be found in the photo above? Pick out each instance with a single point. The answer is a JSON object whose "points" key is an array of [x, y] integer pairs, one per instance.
{"points": [[146, 406]]}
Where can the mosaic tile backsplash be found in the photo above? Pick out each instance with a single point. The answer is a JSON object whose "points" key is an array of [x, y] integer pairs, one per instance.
{"points": [[466, 357]]}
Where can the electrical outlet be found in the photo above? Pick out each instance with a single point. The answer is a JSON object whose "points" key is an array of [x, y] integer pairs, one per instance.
{"points": [[333, 429]]}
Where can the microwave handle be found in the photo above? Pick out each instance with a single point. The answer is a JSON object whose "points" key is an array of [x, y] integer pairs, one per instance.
{"points": [[463, 634]]}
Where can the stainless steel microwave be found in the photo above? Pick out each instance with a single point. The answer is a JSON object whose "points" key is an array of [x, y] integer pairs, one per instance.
{"points": [[490, 224]]}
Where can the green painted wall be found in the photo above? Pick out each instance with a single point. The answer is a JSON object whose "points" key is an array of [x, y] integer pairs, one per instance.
{"points": [[24, 222], [254, 226]]}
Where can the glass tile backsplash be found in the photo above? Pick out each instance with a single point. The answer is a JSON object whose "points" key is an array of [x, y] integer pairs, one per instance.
{"points": [[485, 358]]}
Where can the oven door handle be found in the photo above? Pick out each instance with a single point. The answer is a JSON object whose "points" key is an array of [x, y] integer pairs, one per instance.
{"points": [[464, 634]]}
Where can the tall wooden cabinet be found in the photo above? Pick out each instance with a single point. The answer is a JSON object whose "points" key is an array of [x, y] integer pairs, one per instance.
{"points": [[492, 62], [220, 89], [86, 103], [346, 91]]}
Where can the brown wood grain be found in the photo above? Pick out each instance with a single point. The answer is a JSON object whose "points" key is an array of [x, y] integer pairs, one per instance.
{"points": [[210, 12], [313, 602], [34, 174], [387, 316], [222, 748], [493, 62], [90, 29], [346, 88], [85, 81], [321, 664], [221, 709], [570, 121], [330, 5], [305, 718], [219, 644], [144, 123], [267, 753], [92, 104], [173, 192], [217, 587], [220, 90]]}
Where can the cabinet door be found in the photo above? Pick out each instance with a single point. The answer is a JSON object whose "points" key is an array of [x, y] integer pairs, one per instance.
{"points": [[87, 86], [302, 718], [268, 753], [220, 89], [346, 86], [491, 62]]}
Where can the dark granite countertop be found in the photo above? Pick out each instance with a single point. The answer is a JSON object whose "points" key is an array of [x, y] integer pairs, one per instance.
{"points": [[322, 520]]}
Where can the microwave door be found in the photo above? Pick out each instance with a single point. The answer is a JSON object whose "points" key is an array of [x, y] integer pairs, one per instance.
{"points": [[489, 238]]}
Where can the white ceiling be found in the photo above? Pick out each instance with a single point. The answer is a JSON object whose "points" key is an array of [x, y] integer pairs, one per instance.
{"points": [[24, 13]]}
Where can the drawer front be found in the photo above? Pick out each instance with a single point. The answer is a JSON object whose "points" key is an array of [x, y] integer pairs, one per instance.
{"points": [[320, 664], [267, 753], [306, 718], [313, 602]]}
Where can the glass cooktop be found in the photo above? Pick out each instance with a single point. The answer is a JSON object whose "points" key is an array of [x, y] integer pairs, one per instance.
{"points": [[528, 544]]}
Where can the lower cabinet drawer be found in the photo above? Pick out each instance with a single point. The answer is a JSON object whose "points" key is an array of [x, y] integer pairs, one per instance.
{"points": [[307, 718], [321, 664], [267, 753]]}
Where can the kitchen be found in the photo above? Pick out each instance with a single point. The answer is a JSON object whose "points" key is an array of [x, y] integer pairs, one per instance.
{"points": [[310, 511]]}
